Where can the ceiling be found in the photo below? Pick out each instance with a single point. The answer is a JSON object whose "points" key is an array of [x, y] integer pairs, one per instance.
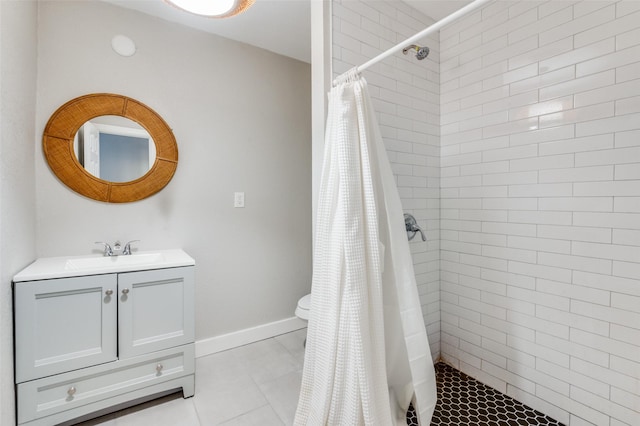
{"points": [[280, 26]]}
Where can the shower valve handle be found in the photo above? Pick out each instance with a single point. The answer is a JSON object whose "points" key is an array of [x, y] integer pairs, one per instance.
{"points": [[415, 229], [411, 225]]}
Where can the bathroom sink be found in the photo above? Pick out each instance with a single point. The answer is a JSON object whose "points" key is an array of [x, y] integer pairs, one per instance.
{"points": [[142, 259], [75, 266]]}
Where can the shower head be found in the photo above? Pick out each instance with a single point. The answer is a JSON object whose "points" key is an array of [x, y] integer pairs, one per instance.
{"points": [[421, 52]]}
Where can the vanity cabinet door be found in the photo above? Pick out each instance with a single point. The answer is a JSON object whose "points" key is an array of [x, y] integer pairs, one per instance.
{"points": [[64, 324], [155, 310]]}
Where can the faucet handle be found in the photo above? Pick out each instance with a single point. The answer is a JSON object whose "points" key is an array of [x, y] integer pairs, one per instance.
{"points": [[127, 247], [108, 251]]}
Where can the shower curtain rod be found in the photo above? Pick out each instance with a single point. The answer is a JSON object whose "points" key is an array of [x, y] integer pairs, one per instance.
{"points": [[411, 40]]}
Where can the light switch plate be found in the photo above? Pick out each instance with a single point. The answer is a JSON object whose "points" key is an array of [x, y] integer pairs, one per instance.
{"points": [[238, 199]]}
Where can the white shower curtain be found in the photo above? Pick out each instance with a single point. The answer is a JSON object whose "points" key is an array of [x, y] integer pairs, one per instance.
{"points": [[367, 353]]}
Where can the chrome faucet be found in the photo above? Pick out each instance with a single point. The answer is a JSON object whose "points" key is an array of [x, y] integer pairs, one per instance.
{"points": [[127, 247], [108, 251], [117, 248]]}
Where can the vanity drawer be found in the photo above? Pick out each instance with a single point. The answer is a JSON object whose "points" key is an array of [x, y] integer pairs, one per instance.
{"points": [[50, 395]]}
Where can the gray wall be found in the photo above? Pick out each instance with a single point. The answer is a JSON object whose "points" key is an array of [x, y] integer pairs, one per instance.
{"points": [[17, 189], [242, 119]]}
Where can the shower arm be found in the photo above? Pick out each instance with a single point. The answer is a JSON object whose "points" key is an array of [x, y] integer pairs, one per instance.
{"points": [[417, 37]]}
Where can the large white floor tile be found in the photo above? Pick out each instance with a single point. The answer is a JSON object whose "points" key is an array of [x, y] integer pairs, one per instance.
{"points": [[282, 393], [265, 360], [222, 399], [263, 416], [220, 366], [294, 343]]}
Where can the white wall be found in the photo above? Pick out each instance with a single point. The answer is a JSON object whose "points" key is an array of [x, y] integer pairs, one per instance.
{"points": [[17, 188], [241, 116], [321, 77], [405, 94], [540, 205]]}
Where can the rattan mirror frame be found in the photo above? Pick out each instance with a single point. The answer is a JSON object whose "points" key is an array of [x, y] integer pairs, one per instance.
{"points": [[59, 133]]}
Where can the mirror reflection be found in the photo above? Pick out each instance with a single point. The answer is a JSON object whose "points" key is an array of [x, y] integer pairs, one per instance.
{"points": [[114, 148]]}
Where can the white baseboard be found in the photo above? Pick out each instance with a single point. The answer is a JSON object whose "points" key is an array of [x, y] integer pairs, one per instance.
{"points": [[223, 342]]}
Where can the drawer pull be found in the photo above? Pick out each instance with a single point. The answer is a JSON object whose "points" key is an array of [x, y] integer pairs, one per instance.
{"points": [[108, 292], [159, 368], [71, 391], [125, 291]]}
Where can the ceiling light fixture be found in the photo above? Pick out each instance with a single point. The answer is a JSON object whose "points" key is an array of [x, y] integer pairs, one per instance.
{"points": [[213, 8]]}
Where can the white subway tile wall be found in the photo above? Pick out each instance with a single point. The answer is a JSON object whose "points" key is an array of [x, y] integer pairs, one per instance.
{"points": [[540, 205], [406, 96]]}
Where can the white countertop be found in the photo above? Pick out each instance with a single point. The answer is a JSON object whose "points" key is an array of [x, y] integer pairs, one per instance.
{"points": [[75, 266]]}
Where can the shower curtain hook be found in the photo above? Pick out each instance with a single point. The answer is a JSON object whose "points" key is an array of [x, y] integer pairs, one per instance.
{"points": [[348, 77]]}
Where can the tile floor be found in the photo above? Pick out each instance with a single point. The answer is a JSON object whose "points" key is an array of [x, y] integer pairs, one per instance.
{"points": [[463, 400], [258, 384]]}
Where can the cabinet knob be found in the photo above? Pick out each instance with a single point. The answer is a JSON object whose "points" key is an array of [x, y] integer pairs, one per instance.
{"points": [[159, 367], [125, 291], [108, 292], [71, 391]]}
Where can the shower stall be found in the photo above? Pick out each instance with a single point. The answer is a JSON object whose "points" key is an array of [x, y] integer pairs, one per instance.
{"points": [[516, 146]]}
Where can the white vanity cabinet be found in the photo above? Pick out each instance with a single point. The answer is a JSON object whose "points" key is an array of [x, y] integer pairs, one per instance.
{"points": [[108, 334]]}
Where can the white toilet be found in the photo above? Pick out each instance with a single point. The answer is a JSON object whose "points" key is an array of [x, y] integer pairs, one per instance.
{"points": [[304, 305]]}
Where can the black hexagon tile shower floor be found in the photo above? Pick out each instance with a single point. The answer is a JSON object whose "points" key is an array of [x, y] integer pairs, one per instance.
{"points": [[463, 400]]}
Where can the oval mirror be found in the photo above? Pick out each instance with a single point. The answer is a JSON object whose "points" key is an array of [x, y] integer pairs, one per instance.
{"points": [[110, 148], [114, 148]]}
